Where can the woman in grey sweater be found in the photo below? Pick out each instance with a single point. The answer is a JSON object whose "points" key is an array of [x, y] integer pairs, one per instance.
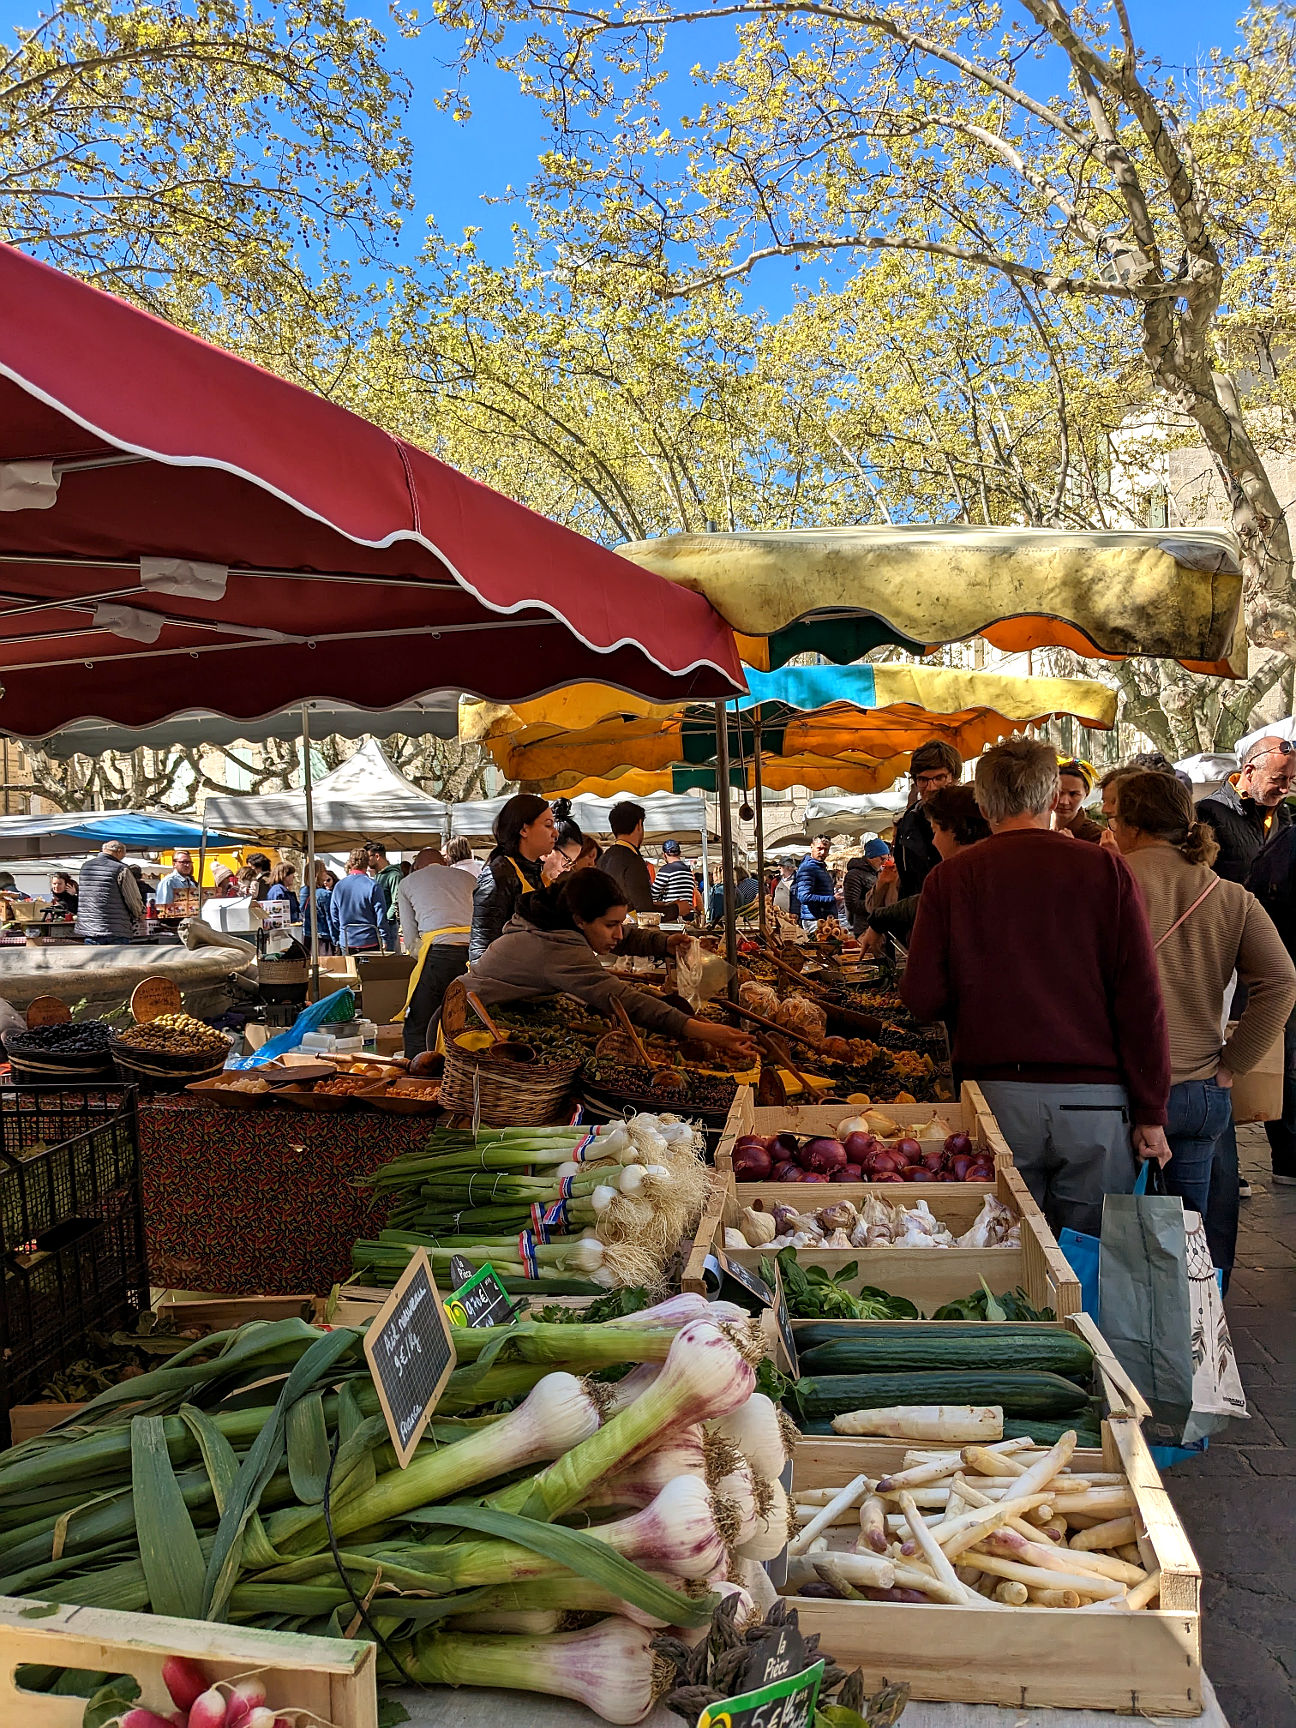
{"points": [[553, 942]]}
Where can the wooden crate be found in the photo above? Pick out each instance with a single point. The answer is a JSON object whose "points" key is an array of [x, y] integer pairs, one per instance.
{"points": [[1146, 1662], [929, 1277], [332, 1677]]}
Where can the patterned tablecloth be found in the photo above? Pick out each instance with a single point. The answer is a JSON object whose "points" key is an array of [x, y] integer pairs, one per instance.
{"points": [[246, 1202]]}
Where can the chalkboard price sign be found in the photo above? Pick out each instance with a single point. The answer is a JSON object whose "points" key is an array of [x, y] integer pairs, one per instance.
{"points": [[410, 1354], [482, 1301], [718, 1267], [785, 1703]]}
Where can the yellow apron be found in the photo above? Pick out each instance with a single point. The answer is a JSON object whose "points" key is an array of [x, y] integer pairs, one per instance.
{"points": [[426, 942]]}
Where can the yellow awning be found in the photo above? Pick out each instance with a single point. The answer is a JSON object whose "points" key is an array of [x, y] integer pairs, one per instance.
{"points": [[1170, 593]]}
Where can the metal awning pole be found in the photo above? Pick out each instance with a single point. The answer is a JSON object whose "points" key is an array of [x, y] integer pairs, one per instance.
{"points": [[202, 865], [726, 838], [758, 791], [307, 777]]}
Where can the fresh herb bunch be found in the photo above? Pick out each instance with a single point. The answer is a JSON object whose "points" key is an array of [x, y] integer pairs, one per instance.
{"points": [[813, 1295], [983, 1305]]}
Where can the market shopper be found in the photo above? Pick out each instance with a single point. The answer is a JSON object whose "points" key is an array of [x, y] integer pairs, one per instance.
{"points": [[110, 906], [1204, 928], [323, 892], [861, 880], [435, 906], [524, 835], [1272, 878], [1075, 783], [179, 882], [785, 889], [1069, 1063], [255, 875], [816, 892], [63, 893], [674, 880], [459, 855], [554, 944], [358, 909], [932, 765], [282, 878], [746, 891], [388, 876], [1250, 807], [623, 861], [956, 823]]}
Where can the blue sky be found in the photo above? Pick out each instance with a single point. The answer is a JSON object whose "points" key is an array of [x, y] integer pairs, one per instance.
{"points": [[458, 166]]}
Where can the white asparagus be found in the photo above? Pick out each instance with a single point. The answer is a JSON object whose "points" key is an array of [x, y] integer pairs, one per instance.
{"points": [[924, 1422], [873, 1570], [1111, 1502], [852, 1492], [1016, 1546], [872, 1520], [1143, 1593], [920, 1476], [1113, 1534], [1042, 1472], [910, 1576], [1130, 1551], [932, 1551], [930, 1455], [1046, 1578], [1010, 1591], [1055, 1529], [1054, 1598], [958, 1535], [988, 1463]]}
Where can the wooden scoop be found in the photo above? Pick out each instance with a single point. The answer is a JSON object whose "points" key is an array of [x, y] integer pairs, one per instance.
{"points": [[628, 1026], [503, 1045]]}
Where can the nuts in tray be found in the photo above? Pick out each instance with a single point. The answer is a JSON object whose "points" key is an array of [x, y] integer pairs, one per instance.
{"points": [[345, 1085], [176, 1035], [248, 1083]]}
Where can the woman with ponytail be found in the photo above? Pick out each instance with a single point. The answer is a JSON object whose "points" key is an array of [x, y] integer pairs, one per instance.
{"points": [[1203, 929]]}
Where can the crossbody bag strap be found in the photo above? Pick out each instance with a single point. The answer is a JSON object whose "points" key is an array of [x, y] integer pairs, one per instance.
{"points": [[1206, 892]]}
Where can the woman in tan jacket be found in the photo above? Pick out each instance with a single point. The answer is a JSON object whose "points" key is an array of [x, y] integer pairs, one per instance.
{"points": [[1204, 929]]}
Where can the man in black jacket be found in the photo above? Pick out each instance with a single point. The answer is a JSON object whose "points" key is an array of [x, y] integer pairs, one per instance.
{"points": [[931, 766], [1251, 809]]}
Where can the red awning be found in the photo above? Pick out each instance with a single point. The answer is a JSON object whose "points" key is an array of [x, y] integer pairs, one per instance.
{"points": [[180, 529]]}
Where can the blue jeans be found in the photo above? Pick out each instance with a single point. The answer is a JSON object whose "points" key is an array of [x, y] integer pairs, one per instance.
{"points": [[1197, 1114]]}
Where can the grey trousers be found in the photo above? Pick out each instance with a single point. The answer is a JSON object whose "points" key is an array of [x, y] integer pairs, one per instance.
{"points": [[1071, 1145]]}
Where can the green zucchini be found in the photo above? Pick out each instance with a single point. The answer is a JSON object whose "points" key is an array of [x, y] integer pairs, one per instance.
{"points": [[1048, 1433], [878, 1348], [1017, 1394]]}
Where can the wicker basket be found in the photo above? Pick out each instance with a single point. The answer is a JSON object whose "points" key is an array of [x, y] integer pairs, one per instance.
{"points": [[152, 1071], [49, 1068], [509, 1091]]}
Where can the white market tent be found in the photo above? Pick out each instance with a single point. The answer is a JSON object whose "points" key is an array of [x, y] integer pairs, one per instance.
{"points": [[868, 814], [1211, 769], [366, 798], [667, 816]]}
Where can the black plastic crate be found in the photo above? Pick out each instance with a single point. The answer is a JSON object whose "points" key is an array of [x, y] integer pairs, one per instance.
{"points": [[63, 1155], [74, 1252]]}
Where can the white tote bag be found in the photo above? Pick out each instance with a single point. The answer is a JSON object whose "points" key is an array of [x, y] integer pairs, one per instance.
{"points": [[1217, 1394]]}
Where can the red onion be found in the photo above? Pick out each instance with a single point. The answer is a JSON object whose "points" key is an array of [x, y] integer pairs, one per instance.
{"points": [[961, 1164], [859, 1145], [815, 1176], [849, 1173], [884, 1177], [980, 1173], [823, 1155], [787, 1171], [958, 1143], [785, 1143], [916, 1173], [751, 1162], [934, 1160], [911, 1150]]}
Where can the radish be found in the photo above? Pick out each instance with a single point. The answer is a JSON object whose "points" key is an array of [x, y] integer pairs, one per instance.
{"points": [[184, 1680], [209, 1710], [141, 1718]]}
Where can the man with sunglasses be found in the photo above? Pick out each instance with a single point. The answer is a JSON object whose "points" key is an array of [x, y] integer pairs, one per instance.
{"points": [[932, 765], [1251, 807], [1075, 783]]}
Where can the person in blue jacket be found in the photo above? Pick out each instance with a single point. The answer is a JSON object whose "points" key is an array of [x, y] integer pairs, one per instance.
{"points": [[816, 892], [361, 921]]}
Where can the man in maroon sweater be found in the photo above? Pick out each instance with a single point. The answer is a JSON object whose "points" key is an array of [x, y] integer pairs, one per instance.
{"points": [[1071, 1057]]}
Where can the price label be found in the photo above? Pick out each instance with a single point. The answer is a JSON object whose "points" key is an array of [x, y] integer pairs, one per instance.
{"points": [[48, 1011], [786, 1703], [154, 997], [777, 1568], [410, 1355], [787, 1337], [481, 1301], [718, 1267]]}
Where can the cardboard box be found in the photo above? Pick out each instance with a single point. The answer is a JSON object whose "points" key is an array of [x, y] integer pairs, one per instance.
{"points": [[384, 984], [1258, 1096]]}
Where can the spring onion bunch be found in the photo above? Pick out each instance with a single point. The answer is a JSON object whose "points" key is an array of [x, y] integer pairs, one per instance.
{"points": [[608, 1205], [199, 1490]]}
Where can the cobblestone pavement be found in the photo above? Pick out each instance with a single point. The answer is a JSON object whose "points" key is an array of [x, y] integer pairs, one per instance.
{"points": [[1238, 1501]]}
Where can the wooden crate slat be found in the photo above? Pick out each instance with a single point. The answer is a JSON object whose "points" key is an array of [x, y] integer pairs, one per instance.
{"points": [[334, 1678], [1146, 1662]]}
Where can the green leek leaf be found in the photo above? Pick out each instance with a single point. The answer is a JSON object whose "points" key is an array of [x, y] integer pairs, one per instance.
{"points": [[168, 1543], [582, 1554], [308, 1448]]}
